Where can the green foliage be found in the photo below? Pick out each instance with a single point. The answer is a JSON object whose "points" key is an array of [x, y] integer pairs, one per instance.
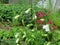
{"points": [[8, 12], [4, 1], [55, 16], [29, 37]]}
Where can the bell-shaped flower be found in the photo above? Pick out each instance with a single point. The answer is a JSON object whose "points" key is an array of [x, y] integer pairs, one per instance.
{"points": [[50, 22], [54, 27], [40, 14]]}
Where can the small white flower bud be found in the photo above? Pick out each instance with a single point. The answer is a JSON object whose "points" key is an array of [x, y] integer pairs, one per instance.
{"points": [[27, 11], [16, 35], [17, 40], [16, 16], [42, 19]]}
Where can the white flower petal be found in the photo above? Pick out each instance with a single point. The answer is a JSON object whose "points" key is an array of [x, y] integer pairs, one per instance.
{"points": [[46, 27]]}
